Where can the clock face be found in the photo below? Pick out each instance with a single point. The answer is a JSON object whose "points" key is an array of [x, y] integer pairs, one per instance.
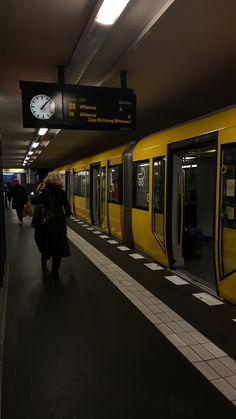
{"points": [[42, 106]]}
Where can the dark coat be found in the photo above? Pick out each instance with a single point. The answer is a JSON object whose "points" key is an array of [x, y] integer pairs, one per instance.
{"points": [[51, 243], [19, 196]]}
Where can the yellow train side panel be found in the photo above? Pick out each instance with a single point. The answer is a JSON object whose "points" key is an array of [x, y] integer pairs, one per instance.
{"points": [[229, 250], [144, 240], [226, 286], [115, 220], [80, 208]]}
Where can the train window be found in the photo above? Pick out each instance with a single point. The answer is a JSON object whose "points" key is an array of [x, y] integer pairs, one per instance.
{"points": [[228, 209], [80, 183], [114, 193], [158, 198], [103, 193], [141, 184]]}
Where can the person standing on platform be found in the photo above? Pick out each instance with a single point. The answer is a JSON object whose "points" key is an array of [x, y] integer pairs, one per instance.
{"points": [[9, 192], [19, 199], [49, 221]]}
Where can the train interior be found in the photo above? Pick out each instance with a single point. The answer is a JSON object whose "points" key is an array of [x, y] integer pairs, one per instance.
{"points": [[193, 199]]}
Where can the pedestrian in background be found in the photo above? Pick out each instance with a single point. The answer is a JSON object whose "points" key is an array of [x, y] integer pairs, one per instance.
{"points": [[49, 221], [9, 192], [19, 199]]}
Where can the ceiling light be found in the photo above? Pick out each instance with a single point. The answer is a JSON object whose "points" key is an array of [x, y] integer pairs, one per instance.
{"points": [[35, 145], [110, 10], [30, 153], [43, 131]]}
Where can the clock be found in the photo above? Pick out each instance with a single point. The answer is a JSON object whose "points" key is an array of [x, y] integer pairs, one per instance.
{"points": [[42, 106]]}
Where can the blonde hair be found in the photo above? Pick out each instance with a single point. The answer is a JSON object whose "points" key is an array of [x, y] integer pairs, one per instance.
{"points": [[54, 178]]}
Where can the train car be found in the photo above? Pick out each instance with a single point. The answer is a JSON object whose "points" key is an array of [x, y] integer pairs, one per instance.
{"points": [[178, 201], [97, 184]]}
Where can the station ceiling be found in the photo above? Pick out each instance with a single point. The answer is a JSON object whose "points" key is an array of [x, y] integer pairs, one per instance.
{"points": [[179, 55]]}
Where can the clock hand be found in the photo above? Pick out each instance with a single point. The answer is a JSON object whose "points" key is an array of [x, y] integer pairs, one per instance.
{"points": [[45, 104]]}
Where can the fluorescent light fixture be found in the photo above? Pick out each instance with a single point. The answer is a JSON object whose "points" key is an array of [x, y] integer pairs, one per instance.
{"points": [[30, 153], [110, 10], [35, 145], [42, 131]]}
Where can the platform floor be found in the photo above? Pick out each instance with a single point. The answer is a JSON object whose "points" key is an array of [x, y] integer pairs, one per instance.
{"points": [[113, 338]]}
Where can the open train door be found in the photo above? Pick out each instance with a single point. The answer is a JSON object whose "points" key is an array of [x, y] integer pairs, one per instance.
{"points": [[225, 249], [191, 225]]}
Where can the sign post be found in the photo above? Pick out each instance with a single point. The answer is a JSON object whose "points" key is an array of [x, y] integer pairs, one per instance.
{"points": [[58, 105]]}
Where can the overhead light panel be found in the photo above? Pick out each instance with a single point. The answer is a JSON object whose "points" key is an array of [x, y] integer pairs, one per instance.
{"points": [[42, 131], [35, 144], [30, 153], [110, 10]]}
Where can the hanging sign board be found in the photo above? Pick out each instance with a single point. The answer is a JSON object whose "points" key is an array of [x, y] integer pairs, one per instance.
{"points": [[52, 105]]}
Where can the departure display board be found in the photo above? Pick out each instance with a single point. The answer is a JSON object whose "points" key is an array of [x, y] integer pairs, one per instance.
{"points": [[52, 105]]}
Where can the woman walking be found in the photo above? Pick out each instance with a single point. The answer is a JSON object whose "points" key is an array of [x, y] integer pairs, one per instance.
{"points": [[49, 220]]}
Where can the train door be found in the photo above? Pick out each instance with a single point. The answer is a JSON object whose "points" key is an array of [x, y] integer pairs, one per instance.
{"points": [[193, 208], [226, 212], [95, 194]]}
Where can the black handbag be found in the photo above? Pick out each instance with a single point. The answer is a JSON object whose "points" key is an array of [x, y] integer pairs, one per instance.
{"points": [[48, 218], [43, 217]]}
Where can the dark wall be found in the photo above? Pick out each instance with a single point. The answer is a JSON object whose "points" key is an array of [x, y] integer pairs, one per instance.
{"points": [[2, 223]]}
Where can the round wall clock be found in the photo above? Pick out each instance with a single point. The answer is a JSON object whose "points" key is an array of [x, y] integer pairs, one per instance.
{"points": [[42, 106]]}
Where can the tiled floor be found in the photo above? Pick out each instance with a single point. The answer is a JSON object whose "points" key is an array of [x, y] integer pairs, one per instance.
{"points": [[112, 339], [162, 318]]}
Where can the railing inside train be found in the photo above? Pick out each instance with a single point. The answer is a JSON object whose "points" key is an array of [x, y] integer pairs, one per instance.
{"points": [[2, 223]]}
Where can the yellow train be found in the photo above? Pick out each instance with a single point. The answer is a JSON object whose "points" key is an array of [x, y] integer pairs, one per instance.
{"points": [[171, 195]]}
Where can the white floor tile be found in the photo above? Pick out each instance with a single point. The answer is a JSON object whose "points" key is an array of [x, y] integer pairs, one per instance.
{"points": [[230, 363], [232, 381], [176, 280], [189, 354], [136, 256], [123, 248], [225, 388], [198, 336], [164, 329], [176, 328], [202, 352], [164, 317], [153, 266], [208, 299], [176, 341], [206, 370], [187, 338], [221, 369], [213, 349]]}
